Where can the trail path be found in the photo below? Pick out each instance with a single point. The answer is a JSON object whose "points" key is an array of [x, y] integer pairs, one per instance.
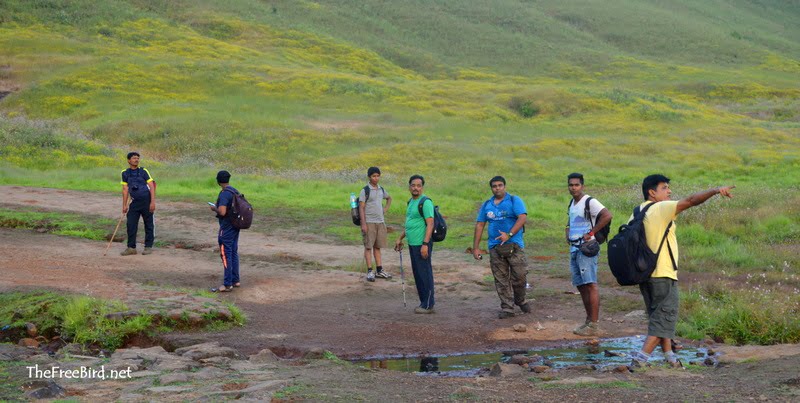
{"points": [[296, 293]]}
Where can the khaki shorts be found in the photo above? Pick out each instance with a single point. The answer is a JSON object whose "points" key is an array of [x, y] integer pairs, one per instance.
{"points": [[375, 236]]}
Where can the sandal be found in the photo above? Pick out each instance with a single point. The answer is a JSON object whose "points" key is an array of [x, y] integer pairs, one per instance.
{"points": [[676, 346], [222, 288], [237, 285]]}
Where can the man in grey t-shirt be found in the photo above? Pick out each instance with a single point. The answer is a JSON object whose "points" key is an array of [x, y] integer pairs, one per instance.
{"points": [[373, 228]]}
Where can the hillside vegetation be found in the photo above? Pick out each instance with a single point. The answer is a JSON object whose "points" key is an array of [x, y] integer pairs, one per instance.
{"points": [[298, 98]]}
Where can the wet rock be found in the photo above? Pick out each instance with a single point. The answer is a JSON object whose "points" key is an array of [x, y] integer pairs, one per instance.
{"points": [[594, 349], [622, 369], [30, 328], [548, 363], [710, 362], [520, 359], [608, 353], [540, 368], [314, 353], [44, 390], [699, 354], [174, 378], [28, 342], [264, 356], [711, 352], [592, 342], [500, 369], [519, 327]]}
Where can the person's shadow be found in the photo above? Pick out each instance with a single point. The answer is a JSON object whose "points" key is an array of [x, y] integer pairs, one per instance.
{"points": [[429, 364]]}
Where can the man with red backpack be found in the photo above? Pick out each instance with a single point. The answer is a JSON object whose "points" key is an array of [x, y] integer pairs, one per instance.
{"points": [[228, 237]]}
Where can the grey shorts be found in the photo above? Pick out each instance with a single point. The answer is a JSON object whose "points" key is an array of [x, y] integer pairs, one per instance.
{"points": [[661, 302]]}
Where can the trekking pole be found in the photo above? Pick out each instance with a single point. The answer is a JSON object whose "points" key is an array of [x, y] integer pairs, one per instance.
{"points": [[114, 234], [402, 278]]}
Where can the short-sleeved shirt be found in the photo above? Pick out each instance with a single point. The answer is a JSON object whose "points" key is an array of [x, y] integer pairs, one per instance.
{"points": [[415, 224], [656, 221], [225, 198], [502, 217], [145, 173], [373, 208], [578, 224]]}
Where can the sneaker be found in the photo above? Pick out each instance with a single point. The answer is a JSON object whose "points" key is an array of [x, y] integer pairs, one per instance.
{"points": [[147, 251], [383, 274], [505, 315], [128, 252], [589, 329], [526, 307], [422, 310], [677, 364], [577, 329], [370, 275]]}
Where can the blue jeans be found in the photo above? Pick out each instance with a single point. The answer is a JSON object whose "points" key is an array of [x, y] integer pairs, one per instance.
{"points": [[423, 275], [229, 252], [583, 268]]}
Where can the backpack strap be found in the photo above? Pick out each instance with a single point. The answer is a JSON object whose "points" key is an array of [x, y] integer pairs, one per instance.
{"points": [[366, 193], [587, 212], [421, 203], [663, 238]]}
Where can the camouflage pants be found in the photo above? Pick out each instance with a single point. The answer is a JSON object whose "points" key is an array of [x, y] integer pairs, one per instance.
{"points": [[510, 269]]}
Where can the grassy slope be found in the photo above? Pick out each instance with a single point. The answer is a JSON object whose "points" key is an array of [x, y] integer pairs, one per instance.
{"points": [[702, 91]]}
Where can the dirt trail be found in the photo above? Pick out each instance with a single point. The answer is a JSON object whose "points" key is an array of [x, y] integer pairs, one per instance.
{"points": [[294, 292]]}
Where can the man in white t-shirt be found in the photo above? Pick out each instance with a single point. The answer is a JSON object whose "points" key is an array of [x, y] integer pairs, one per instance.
{"points": [[581, 229]]}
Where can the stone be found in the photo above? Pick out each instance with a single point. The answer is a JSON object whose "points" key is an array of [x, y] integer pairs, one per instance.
{"points": [[174, 378], [711, 352], [118, 316], [175, 314], [582, 368], [144, 374], [315, 353], [195, 319], [592, 342], [519, 327], [540, 368], [170, 389], [44, 390], [637, 314], [265, 355], [221, 361], [182, 350], [520, 359], [209, 373], [208, 351], [28, 342], [710, 362], [500, 369], [608, 353], [30, 328]]}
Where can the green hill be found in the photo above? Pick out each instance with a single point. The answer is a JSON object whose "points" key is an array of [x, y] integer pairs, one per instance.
{"points": [[305, 95]]}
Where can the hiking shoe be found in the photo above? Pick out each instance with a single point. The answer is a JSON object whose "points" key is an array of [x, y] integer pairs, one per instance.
{"points": [[526, 307], [589, 329], [505, 315], [422, 310], [383, 274], [147, 251], [370, 275], [677, 364], [128, 252], [579, 328]]}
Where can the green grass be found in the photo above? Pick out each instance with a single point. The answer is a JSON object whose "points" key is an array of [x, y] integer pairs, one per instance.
{"points": [[93, 228]]}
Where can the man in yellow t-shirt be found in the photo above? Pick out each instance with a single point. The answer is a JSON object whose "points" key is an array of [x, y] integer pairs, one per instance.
{"points": [[660, 292]]}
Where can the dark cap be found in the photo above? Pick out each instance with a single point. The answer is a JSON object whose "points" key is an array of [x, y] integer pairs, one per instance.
{"points": [[373, 170], [223, 177]]}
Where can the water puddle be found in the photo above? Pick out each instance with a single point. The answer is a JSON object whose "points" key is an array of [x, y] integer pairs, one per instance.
{"points": [[609, 352]]}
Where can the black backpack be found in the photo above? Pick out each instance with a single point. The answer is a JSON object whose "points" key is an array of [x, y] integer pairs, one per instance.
{"points": [[602, 235], [439, 225], [354, 212], [630, 259], [137, 184], [241, 214]]}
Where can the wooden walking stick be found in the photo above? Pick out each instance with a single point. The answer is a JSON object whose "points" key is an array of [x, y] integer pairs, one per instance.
{"points": [[114, 234]]}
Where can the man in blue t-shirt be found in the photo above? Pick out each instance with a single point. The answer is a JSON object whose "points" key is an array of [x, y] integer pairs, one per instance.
{"points": [[228, 237], [506, 216]]}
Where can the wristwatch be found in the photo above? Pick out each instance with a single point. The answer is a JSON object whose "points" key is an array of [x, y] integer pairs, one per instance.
{"points": [[510, 234], [426, 243]]}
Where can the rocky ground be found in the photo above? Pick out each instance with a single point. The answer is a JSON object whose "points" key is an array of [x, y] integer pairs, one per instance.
{"points": [[302, 297]]}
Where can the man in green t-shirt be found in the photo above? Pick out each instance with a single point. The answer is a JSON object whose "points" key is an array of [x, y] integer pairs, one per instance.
{"points": [[660, 291], [419, 229]]}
